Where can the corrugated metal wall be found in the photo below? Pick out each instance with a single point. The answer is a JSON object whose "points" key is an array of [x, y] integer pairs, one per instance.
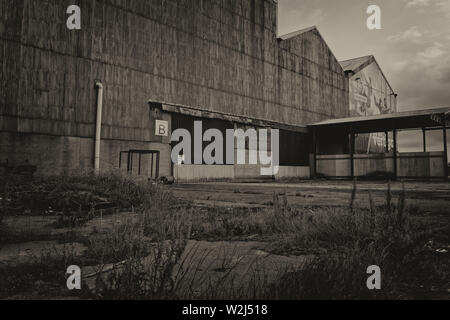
{"points": [[216, 55]]}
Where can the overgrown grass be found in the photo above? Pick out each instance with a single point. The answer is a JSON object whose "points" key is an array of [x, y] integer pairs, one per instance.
{"points": [[42, 276], [350, 239], [74, 199], [148, 258], [360, 238], [143, 256], [77, 193]]}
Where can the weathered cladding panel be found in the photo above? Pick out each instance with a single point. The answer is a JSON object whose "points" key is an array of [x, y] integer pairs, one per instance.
{"points": [[10, 18], [10, 30], [4, 78], [205, 57], [10, 71], [327, 89], [107, 45]]}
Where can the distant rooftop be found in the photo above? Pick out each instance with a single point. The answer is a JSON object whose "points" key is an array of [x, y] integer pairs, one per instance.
{"points": [[356, 63], [296, 33]]}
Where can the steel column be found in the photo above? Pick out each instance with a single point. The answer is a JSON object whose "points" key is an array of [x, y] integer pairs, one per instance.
{"points": [[352, 153], [387, 141], [444, 132], [424, 136], [314, 152], [395, 153]]}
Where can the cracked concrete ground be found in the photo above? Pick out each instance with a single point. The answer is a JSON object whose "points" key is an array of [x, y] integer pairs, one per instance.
{"points": [[234, 257], [429, 197]]}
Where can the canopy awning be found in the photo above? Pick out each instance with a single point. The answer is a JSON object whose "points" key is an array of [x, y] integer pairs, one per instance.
{"points": [[428, 119]]}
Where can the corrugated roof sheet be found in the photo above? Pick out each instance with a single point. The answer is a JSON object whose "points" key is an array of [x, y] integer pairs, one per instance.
{"points": [[404, 114], [296, 33], [353, 64], [202, 113]]}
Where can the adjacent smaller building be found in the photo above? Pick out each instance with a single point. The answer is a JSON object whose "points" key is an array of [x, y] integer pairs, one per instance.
{"points": [[369, 94], [335, 155]]}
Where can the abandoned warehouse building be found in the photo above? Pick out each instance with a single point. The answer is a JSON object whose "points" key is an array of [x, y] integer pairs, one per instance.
{"points": [[109, 96]]}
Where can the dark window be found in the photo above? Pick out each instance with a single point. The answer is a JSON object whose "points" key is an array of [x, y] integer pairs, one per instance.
{"points": [[294, 148]]}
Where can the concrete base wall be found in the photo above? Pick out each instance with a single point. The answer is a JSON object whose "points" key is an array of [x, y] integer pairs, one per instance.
{"points": [[247, 171], [409, 165], [185, 173], [53, 155], [293, 172]]}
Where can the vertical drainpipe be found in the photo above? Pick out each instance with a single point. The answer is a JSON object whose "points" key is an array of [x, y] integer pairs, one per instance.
{"points": [[98, 126], [352, 152], [444, 131]]}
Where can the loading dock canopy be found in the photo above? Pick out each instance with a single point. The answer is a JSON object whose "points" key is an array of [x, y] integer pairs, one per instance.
{"points": [[201, 113], [331, 133], [427, 119]]}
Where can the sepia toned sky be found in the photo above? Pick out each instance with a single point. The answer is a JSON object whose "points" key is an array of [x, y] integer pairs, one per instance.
{"points": [[412, 48]]}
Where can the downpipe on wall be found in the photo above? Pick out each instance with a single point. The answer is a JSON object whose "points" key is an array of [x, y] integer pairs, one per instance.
{"points": [[98, 126]]}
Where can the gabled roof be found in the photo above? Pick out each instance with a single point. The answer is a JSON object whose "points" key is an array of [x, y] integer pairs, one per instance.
{"points": [[294, 34], [297, 33], [356, 64]]}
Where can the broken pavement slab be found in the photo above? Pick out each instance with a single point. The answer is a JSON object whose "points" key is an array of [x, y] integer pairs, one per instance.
{"points": [[204, 265]]}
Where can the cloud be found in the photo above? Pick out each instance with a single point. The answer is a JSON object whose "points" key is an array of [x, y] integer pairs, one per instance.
{"points": [[444, 6], [399, 65], [423, 83], [446, 76], [417, 3], [429, 62], [318, 15], [412, 34], [433, 52], [421, 74], [296, 17], [413, 49]]}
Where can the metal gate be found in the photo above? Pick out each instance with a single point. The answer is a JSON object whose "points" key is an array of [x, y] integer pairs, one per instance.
{"points": [[154, 158]]}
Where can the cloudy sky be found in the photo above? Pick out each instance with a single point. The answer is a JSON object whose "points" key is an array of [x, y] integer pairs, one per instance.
{"points": [[412, 48]]}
